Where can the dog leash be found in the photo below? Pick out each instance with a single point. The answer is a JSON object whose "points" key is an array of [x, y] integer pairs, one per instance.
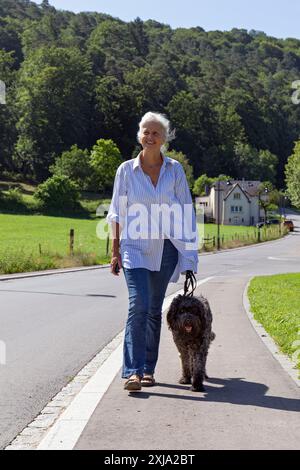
{"points": [[190, 283]]}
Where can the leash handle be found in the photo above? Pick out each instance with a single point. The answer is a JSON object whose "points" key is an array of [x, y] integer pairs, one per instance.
{"points": [[190, 283]]}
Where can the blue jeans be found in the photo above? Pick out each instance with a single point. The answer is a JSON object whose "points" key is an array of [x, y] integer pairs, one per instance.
{"points": [[146, 295]]}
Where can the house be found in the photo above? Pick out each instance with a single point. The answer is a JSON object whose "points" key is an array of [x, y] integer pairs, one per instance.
{"points": [[233, 203]]}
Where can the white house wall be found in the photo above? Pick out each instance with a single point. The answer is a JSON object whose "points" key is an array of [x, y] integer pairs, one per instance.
{"points": [[250, 210], [237, 218]]}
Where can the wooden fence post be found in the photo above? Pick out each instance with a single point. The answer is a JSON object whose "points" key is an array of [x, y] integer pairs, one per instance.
{"points": [[71, 241]]}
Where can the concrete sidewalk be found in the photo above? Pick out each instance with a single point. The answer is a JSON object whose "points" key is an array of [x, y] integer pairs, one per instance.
{"points": [[250, 401]]}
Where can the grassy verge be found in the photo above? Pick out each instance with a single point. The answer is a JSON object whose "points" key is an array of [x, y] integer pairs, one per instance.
{"points": [[32, 239], [275, 303], [37, 242], [232, 236]]}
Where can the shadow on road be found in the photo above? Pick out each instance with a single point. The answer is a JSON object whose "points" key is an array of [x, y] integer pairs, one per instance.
{"points": [[57, 293], [236, 391]]}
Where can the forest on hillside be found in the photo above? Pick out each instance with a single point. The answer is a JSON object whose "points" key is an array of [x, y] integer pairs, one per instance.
{"points": [[76, 78]]}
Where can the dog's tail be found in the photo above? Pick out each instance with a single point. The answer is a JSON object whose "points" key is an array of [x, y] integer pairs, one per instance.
{"points": [[212, 336]]}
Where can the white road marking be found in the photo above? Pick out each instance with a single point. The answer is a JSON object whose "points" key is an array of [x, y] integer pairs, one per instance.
{"points": [[64, 433]]}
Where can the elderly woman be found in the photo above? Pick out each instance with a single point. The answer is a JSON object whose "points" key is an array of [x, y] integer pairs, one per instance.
{"points": [[154, 240]]}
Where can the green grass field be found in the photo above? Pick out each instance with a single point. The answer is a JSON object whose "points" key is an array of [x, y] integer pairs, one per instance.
{"points": [[275, 303], [37, 242], [233, 236], [26, 232], [228, 231], [32, 240]]}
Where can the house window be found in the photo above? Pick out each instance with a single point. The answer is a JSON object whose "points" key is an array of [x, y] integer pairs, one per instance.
{"points": [[240, 208], [232, 208], [229, 220], [237, 196]]}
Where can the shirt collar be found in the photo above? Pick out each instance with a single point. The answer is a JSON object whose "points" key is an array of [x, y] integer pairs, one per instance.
{"points": [[137, 161]]}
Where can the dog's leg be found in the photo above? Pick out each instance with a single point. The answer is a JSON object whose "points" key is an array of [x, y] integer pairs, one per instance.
{"points": [[198, 374], [185, 362], [199, 365], [212, 337], [197, 380]]}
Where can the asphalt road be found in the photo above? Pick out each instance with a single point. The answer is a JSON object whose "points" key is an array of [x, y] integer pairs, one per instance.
{"points": [[53, 325], [249, 402]]}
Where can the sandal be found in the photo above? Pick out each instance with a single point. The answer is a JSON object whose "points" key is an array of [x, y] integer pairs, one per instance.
{"points": [[148, 380], [133, 383]]}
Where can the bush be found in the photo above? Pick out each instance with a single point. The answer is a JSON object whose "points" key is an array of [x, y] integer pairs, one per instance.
{"points": [[58, 192], [74, 163], [12, 200], [14, 195]]}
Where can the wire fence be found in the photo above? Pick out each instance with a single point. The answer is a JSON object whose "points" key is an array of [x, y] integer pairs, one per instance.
{"points": [[258, 235]]}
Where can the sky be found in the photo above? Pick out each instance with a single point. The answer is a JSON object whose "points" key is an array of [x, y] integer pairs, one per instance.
{"points": [[279, 18]]}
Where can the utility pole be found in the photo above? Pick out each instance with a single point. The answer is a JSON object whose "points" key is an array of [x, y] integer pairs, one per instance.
{"points": [[218, 215], [228, 182]]}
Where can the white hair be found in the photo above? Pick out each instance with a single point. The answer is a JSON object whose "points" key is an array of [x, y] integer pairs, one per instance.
{"points": [[163, 121]]}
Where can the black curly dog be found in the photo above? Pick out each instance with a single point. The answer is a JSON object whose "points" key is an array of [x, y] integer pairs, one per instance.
{"points": [[190, 320]]}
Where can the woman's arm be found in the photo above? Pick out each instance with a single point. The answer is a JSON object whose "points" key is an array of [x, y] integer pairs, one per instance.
{"points": [[115, 253], [115, 216], [115, 238], [190, 232]]}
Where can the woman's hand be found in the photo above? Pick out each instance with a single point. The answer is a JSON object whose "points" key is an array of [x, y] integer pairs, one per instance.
{"points": [[115, 260]]}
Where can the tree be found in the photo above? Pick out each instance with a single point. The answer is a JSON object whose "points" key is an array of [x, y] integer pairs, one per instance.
{"points": [[139, 36], [54, 107], [267, 195], [112, 40], [188, 169], [7, 111], [105, 159], [292, 174], [255, 165], [196, 125], [75, 77], [45, 5], [202, 185], [75, 164], [116, 110]]}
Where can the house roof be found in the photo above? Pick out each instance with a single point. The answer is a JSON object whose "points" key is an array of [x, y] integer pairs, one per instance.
{"points": [[250, 188], [233, 187]]}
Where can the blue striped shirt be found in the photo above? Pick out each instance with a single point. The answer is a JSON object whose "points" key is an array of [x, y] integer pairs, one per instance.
{"points": [[143, 212]]}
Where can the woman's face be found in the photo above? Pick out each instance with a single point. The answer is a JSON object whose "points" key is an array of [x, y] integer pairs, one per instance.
{"points": [[152, 136]]}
